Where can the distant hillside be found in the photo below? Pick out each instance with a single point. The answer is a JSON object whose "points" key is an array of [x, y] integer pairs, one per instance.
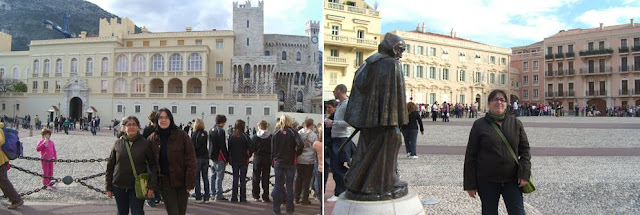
{"points": [[22, 19]]}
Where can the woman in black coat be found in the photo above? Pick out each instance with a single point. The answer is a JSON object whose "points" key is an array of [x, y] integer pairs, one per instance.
{"points": [[239, 153], [489, 168]]}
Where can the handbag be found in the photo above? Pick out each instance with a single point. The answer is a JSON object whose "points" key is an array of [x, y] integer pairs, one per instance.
{"points": [[141, 180], [528, 188]]}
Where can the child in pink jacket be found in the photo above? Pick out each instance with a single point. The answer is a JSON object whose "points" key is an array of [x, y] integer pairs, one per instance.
{"points": [[47, 150]]}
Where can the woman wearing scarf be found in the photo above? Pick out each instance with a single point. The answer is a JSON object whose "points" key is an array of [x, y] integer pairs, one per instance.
{"points": [[489, 167], [120, 181], [177, 159]]}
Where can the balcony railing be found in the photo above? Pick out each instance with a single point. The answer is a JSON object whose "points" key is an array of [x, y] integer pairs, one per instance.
{"points": [[570, 54], [336, 6], [559, 73], [548, 73], [352, 9], [58, 74], [606, 51], [635, 92], [635, 49], [560, 94], [548, 57], [559, 55], [549, 94], [595, 70], [570, 72], [571, 93], [623, 49], [625, 92], [596, 93], [88, 74], [339, 60], [624, 68]]}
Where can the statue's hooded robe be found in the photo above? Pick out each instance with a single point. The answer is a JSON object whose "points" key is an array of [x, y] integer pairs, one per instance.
{"points": [[377, 106]]}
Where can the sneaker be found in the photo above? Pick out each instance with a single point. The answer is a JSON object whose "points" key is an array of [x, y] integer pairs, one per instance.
{"points": [[333, 199], [256, 199], [206, 201], [221, 199], [199, 201], [48, 187], [266, 200], [408, 155], [16, 204], [414, 157], [152, 204]]}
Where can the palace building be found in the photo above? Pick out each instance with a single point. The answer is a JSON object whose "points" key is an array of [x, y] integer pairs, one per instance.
{"points": [[242, 73]]}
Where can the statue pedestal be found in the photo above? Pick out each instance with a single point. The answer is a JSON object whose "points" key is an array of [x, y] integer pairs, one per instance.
{"points": [[407, 205]]}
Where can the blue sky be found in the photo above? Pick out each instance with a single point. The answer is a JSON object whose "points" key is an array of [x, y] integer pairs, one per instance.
{"points": [[281, 16], [504, 23]]}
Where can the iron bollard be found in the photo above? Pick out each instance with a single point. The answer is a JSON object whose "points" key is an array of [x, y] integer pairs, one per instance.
{"points": [[30, 131]]}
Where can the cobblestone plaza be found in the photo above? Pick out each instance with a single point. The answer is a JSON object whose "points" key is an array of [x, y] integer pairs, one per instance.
{"points": [[579, 166]]}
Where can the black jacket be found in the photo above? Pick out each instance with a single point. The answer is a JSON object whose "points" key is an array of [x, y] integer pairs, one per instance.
{"points": [[414, 122], [199, 140], [218, 144], [239, 150], [487, 156], [119, 171], [286, 144], [148, 131], [261, 146]]}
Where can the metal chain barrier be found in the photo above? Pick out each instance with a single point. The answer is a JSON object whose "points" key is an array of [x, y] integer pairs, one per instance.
{"points": [[64, 160], [53, 180]]}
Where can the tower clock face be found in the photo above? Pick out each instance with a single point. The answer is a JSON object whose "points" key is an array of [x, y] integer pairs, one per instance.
{"points": [[314, 39]]}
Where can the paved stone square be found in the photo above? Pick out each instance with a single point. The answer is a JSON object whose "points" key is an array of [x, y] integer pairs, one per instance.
{"points": [[566, 184]]}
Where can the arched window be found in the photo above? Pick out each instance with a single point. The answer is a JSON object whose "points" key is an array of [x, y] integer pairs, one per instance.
{"points": [[137, 85], [122, 63], [47, 66], [175, 62], [302, 78], [247, 71], [89, 67], [139, 63], [267, 53], [296, 78], [120, 86], [284, 55], [59, 66], [74, 65], [195, 62], [298, 56], [299, 96], [36, 66], [105, 65], [157, 62], [16, 73], [281, 96]]}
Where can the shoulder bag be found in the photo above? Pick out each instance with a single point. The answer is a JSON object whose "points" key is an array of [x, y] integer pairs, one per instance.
{"points": [[528, 188], [141, 180]]}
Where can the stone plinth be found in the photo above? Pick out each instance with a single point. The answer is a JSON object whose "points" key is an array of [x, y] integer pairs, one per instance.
{"points": [[408, 205]]}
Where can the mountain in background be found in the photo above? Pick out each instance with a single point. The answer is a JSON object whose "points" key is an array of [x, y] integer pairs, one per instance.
{"points": [[22, 19]]}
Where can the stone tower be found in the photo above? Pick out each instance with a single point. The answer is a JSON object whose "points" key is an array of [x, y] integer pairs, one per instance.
{"points": [[248, 27]]}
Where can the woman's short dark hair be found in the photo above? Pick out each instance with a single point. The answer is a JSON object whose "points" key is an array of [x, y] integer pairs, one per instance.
{"points": [[130, 118], [330, 102], [495, 92]]}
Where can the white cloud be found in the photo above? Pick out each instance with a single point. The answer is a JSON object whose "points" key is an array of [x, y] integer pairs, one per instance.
{"points": [[610, 16], [281, 16], [495, 22]]}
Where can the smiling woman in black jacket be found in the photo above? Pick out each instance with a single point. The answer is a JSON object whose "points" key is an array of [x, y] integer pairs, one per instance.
{"points": [[489, 167]]}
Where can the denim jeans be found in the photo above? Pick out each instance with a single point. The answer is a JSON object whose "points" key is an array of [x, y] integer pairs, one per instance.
{"points": [[126, 200], [410, 140], [202, 171], [337, 163], [284, 177], [239, 182], [489, 193], [216, 178]]}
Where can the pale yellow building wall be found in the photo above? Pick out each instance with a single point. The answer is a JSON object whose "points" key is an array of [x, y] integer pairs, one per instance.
{"points": [[349, 20], [5, 42], [454, 55], [111, 27]]}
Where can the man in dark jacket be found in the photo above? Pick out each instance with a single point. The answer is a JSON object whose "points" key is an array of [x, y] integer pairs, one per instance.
{"points": [[219, 155], [261, 161], [285, 146]]}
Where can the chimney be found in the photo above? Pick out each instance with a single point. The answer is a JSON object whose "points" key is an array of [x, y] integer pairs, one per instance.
{"points": [[423, 27], [83, 34], [189, 28], [418, 27], [453, 33], [633, 24], [144, 30], [601, 26]]}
